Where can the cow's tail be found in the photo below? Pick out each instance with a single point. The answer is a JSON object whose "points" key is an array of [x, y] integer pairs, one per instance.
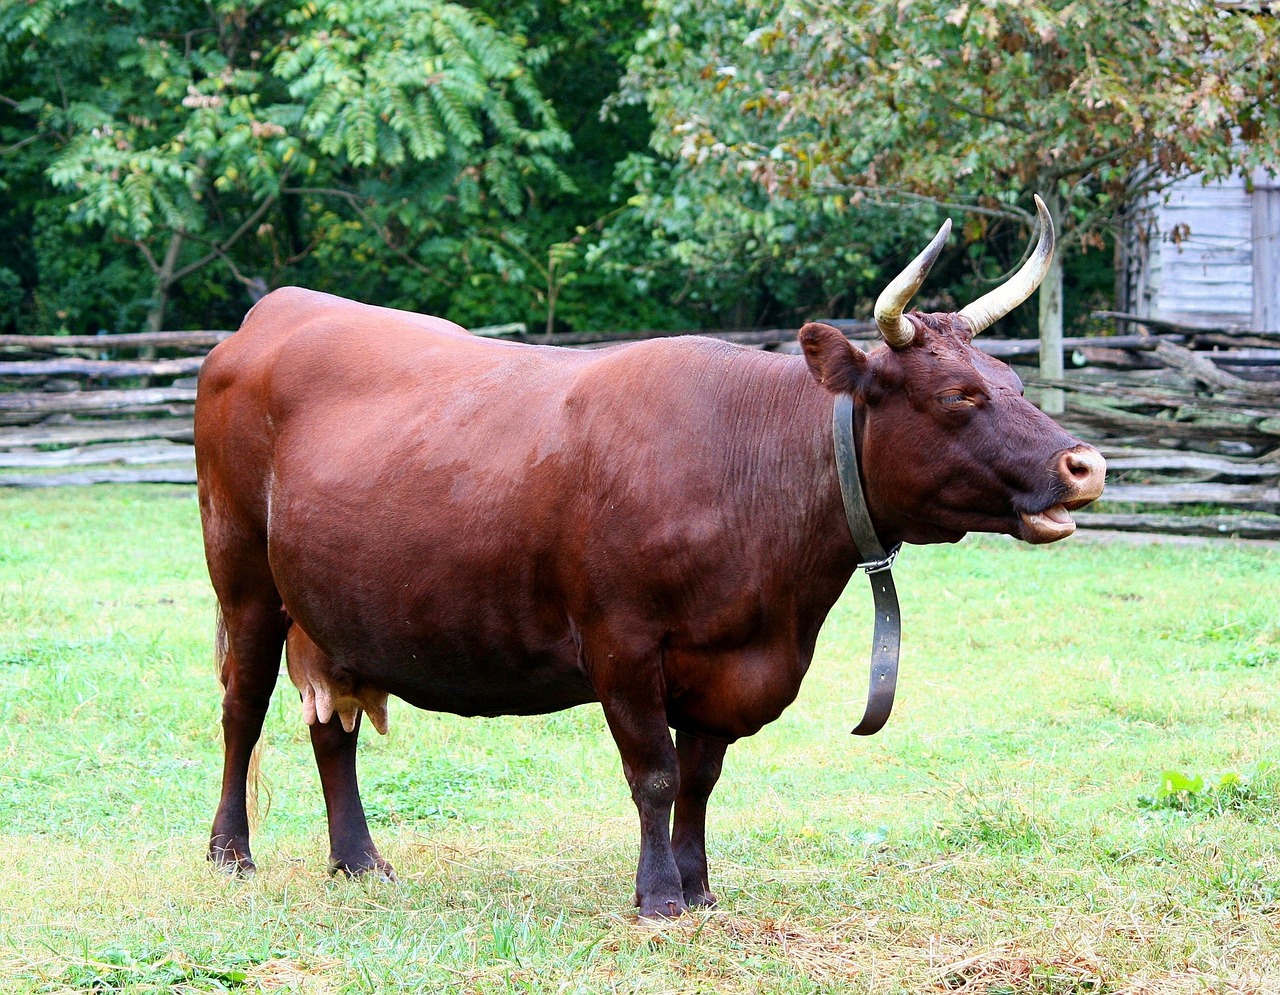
{"points": [[257, 786]]}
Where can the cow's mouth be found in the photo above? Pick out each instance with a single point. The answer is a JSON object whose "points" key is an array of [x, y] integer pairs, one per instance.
{"points": [[1049, 525]]}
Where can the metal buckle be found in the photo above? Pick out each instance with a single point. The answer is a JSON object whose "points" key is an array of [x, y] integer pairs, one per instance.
{"points": [[878, 566]]}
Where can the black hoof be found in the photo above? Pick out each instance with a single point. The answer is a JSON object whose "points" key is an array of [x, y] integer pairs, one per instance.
{"points": [[368, 868], [232, 861], [662, 911]]}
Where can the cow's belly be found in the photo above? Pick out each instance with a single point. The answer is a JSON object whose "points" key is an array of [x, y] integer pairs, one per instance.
{"points": [[415, 609], [466, 679]]}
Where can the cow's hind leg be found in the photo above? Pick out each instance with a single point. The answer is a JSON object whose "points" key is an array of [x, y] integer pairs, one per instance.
{"points": [[351, 849], [334, 717], [637, 717], [700, 764], [250, 637]]}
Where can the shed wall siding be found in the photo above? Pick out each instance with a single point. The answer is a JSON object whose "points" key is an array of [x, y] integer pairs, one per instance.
{"points": [[1205, 277], [1266, 252]]}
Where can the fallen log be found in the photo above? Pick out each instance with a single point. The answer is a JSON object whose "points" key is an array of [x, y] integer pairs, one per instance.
{"points": [[1203, 369], [1117, 359], [1100, 417], [1128, 318], [1244, 340]]}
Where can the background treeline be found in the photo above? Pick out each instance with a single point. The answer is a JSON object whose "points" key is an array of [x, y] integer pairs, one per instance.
{"points": [[591, 164]]}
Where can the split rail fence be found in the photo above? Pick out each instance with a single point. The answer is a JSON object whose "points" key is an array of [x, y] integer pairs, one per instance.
{"points": [[1189, 420]]}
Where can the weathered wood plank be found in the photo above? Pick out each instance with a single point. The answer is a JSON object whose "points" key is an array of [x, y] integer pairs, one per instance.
{"points": [[149, 411], [1239, 526], [80, 433], [30, 402], [1174, 460], [102, 369], [129, 453], [126, 340], [150, 475], [1261, 497], [1128, 318]]}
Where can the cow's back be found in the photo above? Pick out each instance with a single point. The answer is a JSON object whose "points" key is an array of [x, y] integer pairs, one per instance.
{"points": [[309, 375]]}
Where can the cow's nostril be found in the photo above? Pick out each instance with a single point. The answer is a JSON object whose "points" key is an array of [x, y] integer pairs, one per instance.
{"points": [[1083, 471]]}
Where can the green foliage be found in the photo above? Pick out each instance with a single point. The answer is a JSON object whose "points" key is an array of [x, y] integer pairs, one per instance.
{"points": [[117, 969], [240, 141], [10, 295], [1193, 794], [731, 163], [745, 258], [982, 100], [1092, 103]]}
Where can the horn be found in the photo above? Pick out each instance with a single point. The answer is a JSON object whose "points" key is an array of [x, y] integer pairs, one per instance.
{"points": [[897, 331], [991, 307]]}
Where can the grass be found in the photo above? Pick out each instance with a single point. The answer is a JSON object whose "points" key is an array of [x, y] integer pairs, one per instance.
{"points": [[1013, 830]]}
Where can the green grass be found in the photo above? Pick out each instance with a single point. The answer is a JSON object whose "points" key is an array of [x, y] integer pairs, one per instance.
{"points": [[1006, 833]]}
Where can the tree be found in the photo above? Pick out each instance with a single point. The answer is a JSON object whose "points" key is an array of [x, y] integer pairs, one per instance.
{"points": [[1094, 104], [253, 136]]}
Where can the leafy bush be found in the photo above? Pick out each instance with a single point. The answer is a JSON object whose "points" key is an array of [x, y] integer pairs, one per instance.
{"points": [[1193, 794]]}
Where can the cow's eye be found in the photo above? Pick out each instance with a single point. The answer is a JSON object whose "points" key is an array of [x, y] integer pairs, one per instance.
{"points": [[953, 398]]}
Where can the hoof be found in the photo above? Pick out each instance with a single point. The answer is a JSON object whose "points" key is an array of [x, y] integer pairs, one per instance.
{"points": [[367, 868], [232, 861], [662, 911], [700, 899]]}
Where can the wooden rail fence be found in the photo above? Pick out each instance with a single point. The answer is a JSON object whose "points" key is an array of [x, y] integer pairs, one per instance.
{"points": [[1189, 420]]}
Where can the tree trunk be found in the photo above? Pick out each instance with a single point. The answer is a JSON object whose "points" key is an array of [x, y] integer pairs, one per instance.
{"points": [[1052, 399], [164, 281]]}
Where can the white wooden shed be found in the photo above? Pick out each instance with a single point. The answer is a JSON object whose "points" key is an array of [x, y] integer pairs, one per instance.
{"points": [[1206, 255]]}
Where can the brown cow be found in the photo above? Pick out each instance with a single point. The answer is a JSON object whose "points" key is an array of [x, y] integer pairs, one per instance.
{"points": [[490, 528]]}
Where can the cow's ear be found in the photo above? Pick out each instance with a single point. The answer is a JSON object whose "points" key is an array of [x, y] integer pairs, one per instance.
{"points": [[833, 361]]}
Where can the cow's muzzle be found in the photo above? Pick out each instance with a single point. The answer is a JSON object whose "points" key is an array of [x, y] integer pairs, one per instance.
{"points": [[1081, 473]]}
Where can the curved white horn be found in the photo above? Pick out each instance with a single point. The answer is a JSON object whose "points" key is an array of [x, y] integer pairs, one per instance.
{"points": [[991, 307], [897, 331]]}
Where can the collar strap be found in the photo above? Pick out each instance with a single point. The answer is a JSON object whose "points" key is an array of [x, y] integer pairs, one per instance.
{"points": [[887, 636]]}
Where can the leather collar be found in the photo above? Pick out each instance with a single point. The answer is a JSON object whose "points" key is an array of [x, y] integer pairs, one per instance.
{"points": [[887, 635]]}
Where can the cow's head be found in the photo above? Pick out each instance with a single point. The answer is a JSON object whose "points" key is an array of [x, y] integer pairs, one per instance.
{"points": [[947, 443]]}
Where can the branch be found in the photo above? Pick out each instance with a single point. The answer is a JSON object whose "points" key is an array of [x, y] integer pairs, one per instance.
{"points": [[1084, 166], [358, 207], [249, 222], [1207, 373], [25, 141], [1016, 126], [1010, 212], [146, 254]]}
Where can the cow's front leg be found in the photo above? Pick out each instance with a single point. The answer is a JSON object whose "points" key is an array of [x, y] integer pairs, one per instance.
{"points": [[639, 726], [351, 849], [700, 763]]}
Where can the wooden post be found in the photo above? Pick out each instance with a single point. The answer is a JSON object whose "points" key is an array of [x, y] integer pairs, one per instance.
{"points": [[1052, 399]]}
